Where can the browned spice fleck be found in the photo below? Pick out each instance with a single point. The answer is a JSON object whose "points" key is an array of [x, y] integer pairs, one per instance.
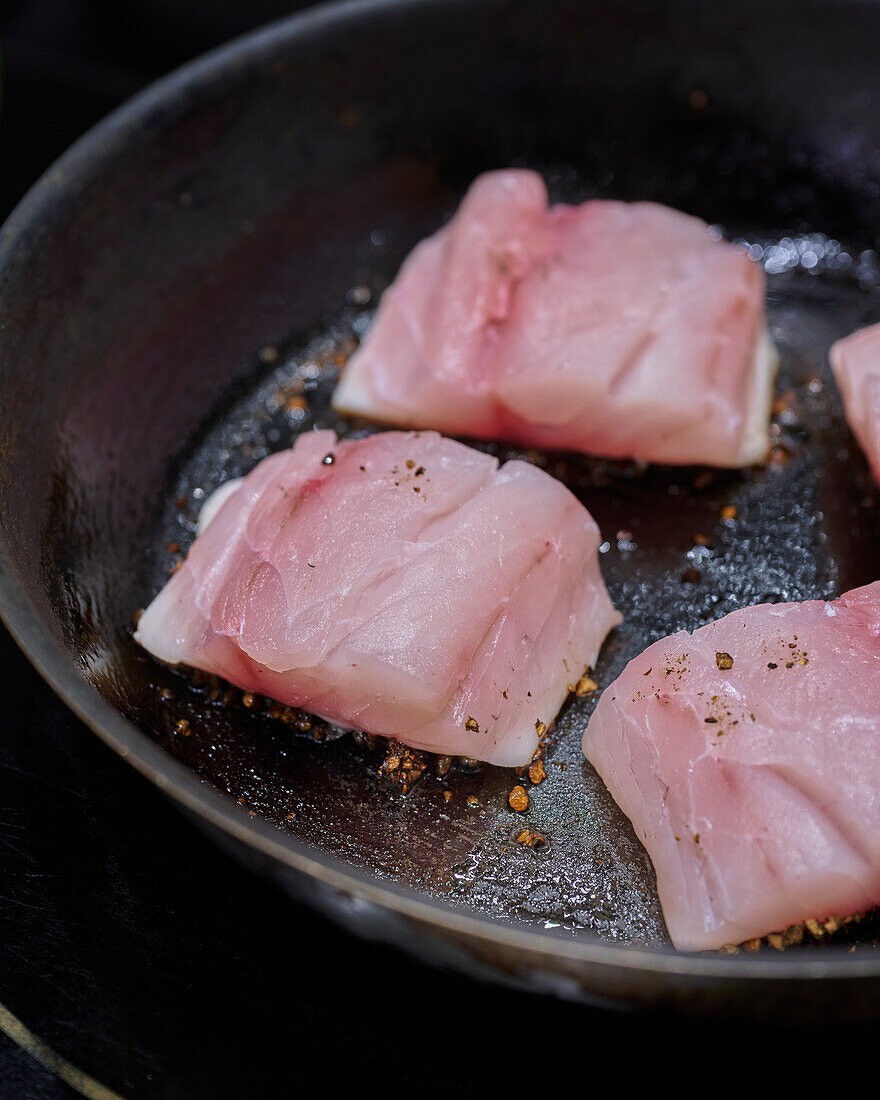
{"points": [[402, 765], [447, 795], [531, 838], [585, 686], [166, 694], [728, 512], [793, 935], [175, 565], [173, 547], [819, 929], [361, 739], [518, 799], [473, 800], [502, 263], [540, 728], [701, 540], [472, 725], [724, 661], [296, 402], [182, 727], [410, 464], [772, 664], [442, 765], [537, 774]]}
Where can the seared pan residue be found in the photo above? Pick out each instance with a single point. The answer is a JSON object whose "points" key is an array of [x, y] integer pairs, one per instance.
{"points": [[682, 547]]}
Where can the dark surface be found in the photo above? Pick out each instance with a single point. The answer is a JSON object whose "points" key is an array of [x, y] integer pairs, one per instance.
{"points": [[129, 943], [165, 970], [805, 527], [139, 952], [236, 207], [149, 959]]}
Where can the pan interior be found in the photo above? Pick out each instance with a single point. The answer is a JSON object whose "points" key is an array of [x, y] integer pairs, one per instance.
{"points": [[803, 526], [181, 308]]}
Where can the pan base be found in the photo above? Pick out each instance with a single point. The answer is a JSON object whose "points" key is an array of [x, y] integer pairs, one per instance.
{"points": [[804, 526]]}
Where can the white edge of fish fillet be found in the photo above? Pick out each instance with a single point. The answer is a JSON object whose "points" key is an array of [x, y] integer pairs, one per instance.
{"points": [[353, 398]]}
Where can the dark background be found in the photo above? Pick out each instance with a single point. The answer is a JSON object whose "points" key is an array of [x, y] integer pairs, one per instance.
{"points": [[142, 954]]}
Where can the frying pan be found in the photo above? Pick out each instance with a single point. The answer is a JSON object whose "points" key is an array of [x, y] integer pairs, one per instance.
{"points": [[176, 296]]}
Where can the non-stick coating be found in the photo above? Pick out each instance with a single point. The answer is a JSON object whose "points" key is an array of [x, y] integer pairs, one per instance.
{"points": [[238, 211]]}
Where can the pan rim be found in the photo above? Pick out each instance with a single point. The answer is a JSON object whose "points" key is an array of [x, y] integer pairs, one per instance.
{"points": [[46, 654]]}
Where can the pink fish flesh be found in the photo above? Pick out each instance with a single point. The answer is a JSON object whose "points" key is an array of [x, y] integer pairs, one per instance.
{"points": [[855, 361], [610, 328], [747, 756], [402, 584]]}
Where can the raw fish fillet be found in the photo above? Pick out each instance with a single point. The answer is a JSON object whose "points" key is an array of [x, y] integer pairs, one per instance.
{"points": [[401, 584], [747, 756], [617, 329], [855, 361]]}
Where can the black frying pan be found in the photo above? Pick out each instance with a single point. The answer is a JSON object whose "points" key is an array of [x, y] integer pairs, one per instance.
{"points": [[199, 264]]}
